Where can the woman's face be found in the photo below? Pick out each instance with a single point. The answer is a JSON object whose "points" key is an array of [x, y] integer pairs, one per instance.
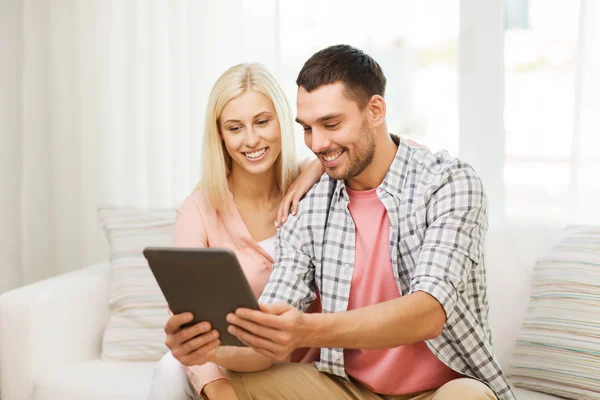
{"points": [[250, 130]]}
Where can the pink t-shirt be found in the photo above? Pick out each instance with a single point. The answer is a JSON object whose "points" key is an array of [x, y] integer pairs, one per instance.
{"points": [[404, 369]]}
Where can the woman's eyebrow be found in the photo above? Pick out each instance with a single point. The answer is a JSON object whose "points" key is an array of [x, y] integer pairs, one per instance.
{"points": [[256, 116], [262, 113]]}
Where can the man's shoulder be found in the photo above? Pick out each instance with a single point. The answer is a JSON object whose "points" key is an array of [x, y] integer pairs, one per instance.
{"points": [[437, 168], [314, 206]]}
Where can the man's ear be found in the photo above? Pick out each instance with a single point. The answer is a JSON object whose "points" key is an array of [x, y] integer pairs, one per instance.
{"points": [[377, 110]]}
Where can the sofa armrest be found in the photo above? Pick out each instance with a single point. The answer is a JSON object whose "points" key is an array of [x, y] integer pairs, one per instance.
{"points": [[49, 324]]}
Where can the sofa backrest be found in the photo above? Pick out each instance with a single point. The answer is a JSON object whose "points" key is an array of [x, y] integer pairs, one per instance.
{"points": [[511, 252]]}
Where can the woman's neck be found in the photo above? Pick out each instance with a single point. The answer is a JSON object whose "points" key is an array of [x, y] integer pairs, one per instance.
{"points": [[260, 190]]}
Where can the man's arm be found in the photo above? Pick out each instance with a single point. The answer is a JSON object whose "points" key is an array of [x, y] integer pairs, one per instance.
{"points": [[405, 320], [292, 279]]}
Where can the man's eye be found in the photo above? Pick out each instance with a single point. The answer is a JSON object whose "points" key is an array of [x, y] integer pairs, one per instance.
{"points": [[332, 126], [307, 129]]}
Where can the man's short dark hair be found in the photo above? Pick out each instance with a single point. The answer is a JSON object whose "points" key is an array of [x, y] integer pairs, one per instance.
{"points": [[360, 73]]}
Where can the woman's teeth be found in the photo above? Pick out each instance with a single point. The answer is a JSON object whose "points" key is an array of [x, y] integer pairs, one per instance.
{"points": [[332, 157], [256, 154]]}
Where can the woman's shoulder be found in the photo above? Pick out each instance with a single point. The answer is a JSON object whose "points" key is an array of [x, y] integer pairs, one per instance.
{"points": [[196, 200]]}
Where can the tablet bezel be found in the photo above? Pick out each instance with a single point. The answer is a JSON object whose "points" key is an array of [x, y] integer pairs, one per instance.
{"points": [[196, 279]]}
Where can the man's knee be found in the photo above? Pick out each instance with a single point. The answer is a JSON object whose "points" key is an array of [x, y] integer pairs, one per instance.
{"points": [[279, 381], [235, 378], [464, 389]]}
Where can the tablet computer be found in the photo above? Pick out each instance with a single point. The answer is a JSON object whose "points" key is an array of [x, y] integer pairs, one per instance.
{"points": [[207, 282]]}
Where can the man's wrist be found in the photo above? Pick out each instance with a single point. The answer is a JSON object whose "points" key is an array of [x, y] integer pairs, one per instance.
{"points": [[313, 324]]}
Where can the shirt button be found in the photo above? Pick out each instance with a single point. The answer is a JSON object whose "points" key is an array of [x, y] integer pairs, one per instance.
{"points": [[347, 266], [337, 356]]}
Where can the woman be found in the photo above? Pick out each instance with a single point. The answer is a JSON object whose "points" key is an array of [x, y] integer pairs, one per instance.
{"points": [[249, 164]]}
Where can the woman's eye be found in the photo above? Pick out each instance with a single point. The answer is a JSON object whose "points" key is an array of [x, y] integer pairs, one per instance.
{"points": [[262, 122], [234, 129], [307, 129]]}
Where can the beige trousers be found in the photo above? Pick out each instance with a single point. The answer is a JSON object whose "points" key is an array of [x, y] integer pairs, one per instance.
{"points": [[288, 381]]}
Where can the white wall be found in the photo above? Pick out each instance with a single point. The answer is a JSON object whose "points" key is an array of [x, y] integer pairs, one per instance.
{"points": [[11, 61]]}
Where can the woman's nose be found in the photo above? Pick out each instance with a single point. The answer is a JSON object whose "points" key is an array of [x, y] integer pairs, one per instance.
{"points": [[252, 139]]}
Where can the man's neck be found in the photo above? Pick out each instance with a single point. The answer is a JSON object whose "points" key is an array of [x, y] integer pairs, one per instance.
{"points": [[374, 174]]}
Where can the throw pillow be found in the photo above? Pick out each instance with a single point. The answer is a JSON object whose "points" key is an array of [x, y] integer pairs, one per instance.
{"points": [[558, 349], [138, 310]]}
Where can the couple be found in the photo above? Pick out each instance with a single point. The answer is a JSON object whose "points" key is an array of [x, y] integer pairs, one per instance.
{"points": [[389, 242]]}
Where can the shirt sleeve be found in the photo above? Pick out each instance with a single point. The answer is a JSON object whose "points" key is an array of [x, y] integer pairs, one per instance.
{"points": [[292, 279], [190, 232], [202, 375], [453, 242]]}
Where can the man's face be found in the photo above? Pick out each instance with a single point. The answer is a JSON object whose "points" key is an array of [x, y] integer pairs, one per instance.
{"points": [[336, 130]]}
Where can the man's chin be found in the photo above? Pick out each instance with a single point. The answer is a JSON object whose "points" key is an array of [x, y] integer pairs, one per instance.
{"points": [[336, 173]]}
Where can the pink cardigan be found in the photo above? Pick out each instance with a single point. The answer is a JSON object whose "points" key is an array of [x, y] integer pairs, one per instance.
{"points": [[197, 224]]}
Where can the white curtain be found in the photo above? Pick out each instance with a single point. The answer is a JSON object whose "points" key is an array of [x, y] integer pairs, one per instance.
{"points": [[103, 103], [584, 188], [111, 96], [545, 191]]}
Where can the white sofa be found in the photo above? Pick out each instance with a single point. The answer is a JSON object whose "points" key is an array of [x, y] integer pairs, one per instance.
{"points": [[51, 331]]}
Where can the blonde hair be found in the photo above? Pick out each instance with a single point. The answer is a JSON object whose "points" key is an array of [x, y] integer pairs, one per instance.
{"points": [[216, 161]]}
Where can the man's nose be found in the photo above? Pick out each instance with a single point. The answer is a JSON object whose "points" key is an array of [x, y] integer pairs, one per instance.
{"points": [[319, 141]]}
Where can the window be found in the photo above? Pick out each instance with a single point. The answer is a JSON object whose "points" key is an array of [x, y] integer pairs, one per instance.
{"points": [[417, 49], [540, 45]]}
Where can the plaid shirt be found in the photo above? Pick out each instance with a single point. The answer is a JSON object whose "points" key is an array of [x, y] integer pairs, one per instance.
{"points": [[438, 220]]}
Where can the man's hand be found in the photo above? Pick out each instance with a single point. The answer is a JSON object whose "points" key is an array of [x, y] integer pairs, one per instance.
{"points": [[219, 389], [194, 345], [274, 331]]}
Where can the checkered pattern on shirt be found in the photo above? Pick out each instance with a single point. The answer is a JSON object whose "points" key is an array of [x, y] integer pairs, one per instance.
{"points": [[438, 220]]}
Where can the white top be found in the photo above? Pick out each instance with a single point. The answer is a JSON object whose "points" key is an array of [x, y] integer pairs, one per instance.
{"points": [[269, 246]]}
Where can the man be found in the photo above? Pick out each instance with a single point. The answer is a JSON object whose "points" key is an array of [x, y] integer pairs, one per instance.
{"points": [[392, 239]]}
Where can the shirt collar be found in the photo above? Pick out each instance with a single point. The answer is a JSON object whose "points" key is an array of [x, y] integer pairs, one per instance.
{"points": [[394, 180]]}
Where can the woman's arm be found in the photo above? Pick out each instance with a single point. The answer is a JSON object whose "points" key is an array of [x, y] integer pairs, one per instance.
{"points": [[190, 232], [310, 173], [241, 359]]}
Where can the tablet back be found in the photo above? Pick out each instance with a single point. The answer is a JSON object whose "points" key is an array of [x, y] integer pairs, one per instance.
{"points": [[207, 282]]}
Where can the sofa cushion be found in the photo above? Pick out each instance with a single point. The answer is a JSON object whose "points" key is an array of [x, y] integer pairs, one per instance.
{"points": [[557, 348], [524, 394], [138, 310], [96, 380]]}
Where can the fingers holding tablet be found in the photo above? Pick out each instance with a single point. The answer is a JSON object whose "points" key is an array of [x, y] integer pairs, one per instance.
{"points": [[191, 345], [201, 286], [200, 356], [199, 350], [175, 322]]}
